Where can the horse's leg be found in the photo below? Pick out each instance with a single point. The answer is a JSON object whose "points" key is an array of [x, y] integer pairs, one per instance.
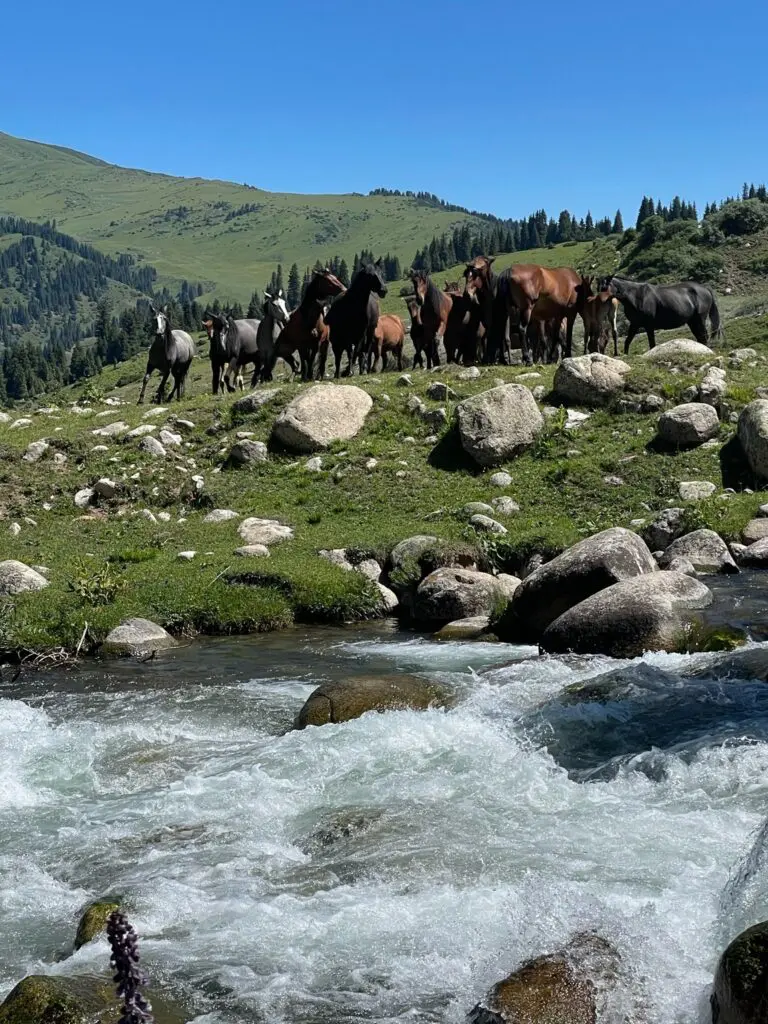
{"points": [[525, 319], [159, 395], [651, 337], [633, 329], [615, 333], [698, 328], [144, 383], [232, 370], [569, 322]]}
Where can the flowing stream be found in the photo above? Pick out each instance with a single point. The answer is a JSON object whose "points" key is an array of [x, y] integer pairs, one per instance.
{"points": [[394, 867]]}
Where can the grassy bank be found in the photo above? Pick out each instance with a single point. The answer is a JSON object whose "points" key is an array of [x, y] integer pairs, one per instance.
{"points": [[116, 563]]}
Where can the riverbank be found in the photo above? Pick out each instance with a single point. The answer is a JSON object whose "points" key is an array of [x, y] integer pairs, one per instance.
{"points": [[145, 547]]}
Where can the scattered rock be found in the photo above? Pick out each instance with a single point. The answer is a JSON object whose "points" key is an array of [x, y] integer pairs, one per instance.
{"points": [[454, 593], [253, 551], [337, 556], [14, 529], [712, 389], [405, 380], [755, 556], [667, 525], [485, 524], [322, 414], [247, 453], [756, 529], [345, 699], [696, 490], [738, 995], [538, 392], [629, 618], [145, 513], [474, 508], [464, 629], [613, 481], [574, 419], [35, 451], [679, 351], [252, 402], [436, 419], [93, 921], [591, 380], [389, 598], [415, 405], [314, 465], [142, 431], [688, 426], [105, 487], [164, 517], [187, 425], [169, 439], [20, 423], [753, 435], [59, 459], [590, 566], [705, 549], [152, 447], [505, 506], [371, 464], [651, 403], [742, 355], [100, 448], [264, 531], [85, 497], [220, 515], [369, 567], [412, 548], [186, 556], [500, 479], [498, 424], [471, 373], [509, 584], [136, 636], [18, 578], [440, 392], [4, 417]]}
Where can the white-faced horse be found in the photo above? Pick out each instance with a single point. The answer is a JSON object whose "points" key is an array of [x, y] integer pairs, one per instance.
{"points": [[171, 352]]}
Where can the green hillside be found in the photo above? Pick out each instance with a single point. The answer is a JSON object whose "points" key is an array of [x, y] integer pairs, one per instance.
{"points": [[228, 236]]}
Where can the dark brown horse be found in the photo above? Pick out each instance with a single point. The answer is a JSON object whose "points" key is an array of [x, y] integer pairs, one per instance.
{"points": [[599, 316], [306, 331], [541, 293], [416, 330], [435, 307], [388, 339], [464, 332], [353, 317]]}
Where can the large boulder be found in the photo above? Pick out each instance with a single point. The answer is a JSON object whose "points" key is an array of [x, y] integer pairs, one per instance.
{"points": [[321, 415], [688, 426], [591, 380], [411, 549], [629, 618], [17, 578], [678, 351], [705, 549], [83, 999], [740, 992], [137, 636], [498, 424], [454, 593], [753, 436], [343, 699], [566, 987], [591, 565]]}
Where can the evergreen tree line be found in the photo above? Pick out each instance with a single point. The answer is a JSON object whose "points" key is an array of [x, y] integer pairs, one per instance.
{"points": [[678, 209], [748, 191]]}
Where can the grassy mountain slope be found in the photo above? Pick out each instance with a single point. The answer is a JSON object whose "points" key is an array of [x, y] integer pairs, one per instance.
{"points": [[192, 228]]}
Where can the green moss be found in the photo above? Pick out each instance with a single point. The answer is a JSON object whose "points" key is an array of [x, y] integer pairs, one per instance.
{"points": [[40, 999], [94, 921]]}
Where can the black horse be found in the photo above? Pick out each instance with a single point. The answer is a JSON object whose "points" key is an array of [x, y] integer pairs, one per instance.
{"points": [[659, 307], [353, 317]]}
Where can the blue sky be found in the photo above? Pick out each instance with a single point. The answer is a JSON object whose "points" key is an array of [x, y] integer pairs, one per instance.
{"points": [[503, 107]]}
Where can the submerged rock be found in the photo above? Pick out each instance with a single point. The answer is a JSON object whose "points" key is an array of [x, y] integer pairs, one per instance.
{"points": [[464, 629], [740, 993], [344, 699]]}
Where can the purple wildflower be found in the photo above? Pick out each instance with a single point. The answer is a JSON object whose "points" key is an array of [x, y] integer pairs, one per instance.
{"points": [[128, 976]]}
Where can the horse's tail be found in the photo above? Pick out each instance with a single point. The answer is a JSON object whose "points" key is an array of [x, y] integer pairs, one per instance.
{"points": [[714, 320]]}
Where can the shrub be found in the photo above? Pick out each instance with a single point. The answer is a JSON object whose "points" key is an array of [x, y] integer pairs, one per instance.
{"points": [[741, 217]]}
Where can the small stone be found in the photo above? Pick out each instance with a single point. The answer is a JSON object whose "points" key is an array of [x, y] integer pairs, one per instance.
{"points": [[185, 425], [487, 525], [151, 414], [135, 636], [337, 556], [220, 515], [756, 529], [170, 439], [409, 440], [84, 497], [248, 453], [20, 423], [198, 481], [613, 481], [389, 599], [575, 419], [152, 447], [186, 556], [254, 401], [405, 380], [35, 451], [401, 474], [17, 578], [474, 508], [243, 435], [142, 431], [538, 392], [164, 517], [652, 403], [14, 529], [105, 487], [264, 531], [314, 465], [371, 464], [440, 392], [146, 514], [505, 506], [500, 479], [100, 448], [471, 373], [696, 490], [253, 551], [415, 405], [59, 459]]}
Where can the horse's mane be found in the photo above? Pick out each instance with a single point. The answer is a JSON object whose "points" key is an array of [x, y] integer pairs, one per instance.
{"points": [[434, 296]]}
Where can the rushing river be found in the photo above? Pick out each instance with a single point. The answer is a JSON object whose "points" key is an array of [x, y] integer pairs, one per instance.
{"points": [[393, 867]]}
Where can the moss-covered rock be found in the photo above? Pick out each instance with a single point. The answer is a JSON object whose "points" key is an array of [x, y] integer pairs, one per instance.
{"points": [[740, 994], [87, 999], [342, 700], [94, 921]]}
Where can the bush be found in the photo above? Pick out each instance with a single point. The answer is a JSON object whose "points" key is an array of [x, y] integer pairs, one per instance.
{"points": [[741, 217]]}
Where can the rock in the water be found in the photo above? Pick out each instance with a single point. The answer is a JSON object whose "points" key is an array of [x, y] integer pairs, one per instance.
{"points": [[454, 593], [741, 980], [111, 429], [264, 531], [505, 506], [590, 566], [220, 515], [498, 424], [756, 529], [705, 549], [688, 426], [18, 578], [35, 451], [591, 380], [753, 436], [567, 987], [344, 699], [314, 465], [681, 564], [248, 453], [93, 921], [253, 551], [667, 525], [696, 490], [389, 598], [136, 636], [464, 629], [756, 555], [105, 488], [321, 415], [485, 524], [500, 479], [629, 618], [84, 497], [254, 401], [678, 351], [80, 999], [152, 446]]}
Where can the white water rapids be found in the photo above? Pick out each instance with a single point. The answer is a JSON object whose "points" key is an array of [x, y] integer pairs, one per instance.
{"points": [[488, 833]]}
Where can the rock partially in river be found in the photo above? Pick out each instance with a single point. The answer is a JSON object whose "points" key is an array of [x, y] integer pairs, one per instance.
{"points": [[464, 629], [705, 549], [454, 593], [756, 529], [83, 999], [755, 556], [93, 921], [629, 618], [344, 699], [137, 636], [740, 993]]}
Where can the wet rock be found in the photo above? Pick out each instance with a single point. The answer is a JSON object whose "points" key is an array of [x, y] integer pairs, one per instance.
{"points": [[344, 699], [753, 436], [678, 352], [741, 980], [247, 453], [83, 999], [696, 490], [322, 414], [590, 566], [485, 524], [498, 424], [756, 529], [592, 380], [84, 497], [137, 636], [220, 515], [93, 921], [667, 525], [464, 629], [504, 506], [453, 593], [705, 549], [264, 531], [35, 451], [253, 551], [18, 578], [254, 401], [682, 565], [636, 615], [688, 426], [755, 556], [500, 479]]}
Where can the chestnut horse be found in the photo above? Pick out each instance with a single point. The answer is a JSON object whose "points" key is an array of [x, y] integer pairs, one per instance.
{"points": [[540, 293], [387, 338], [435, 307], [306, 331]]}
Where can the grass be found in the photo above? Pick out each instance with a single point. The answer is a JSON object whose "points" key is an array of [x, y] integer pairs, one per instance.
{"points": [[104, 569]]}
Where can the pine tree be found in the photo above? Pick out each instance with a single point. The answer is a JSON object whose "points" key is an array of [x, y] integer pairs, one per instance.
{"points": [[589, 225], [294, 287], [618, 224], [343, 274]]}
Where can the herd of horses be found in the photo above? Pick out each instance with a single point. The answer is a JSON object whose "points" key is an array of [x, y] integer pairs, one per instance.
{"points": [[482, 319]]}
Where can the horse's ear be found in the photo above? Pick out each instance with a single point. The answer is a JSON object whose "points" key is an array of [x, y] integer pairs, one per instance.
{"points": [[490, 259], [279, 293], [152, 309], [378, 262], [267, 296], [165, 309]]}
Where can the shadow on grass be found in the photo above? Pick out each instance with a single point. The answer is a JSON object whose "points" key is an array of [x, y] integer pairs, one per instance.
{"points": [[735, 469], [449, 455]]}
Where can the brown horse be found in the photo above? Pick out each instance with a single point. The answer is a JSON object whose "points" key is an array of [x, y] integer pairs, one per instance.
{"points": [[464, 332], [435, 307], [540, 293], [599, 316], [306, 331], [416, 330], [387, 338]]}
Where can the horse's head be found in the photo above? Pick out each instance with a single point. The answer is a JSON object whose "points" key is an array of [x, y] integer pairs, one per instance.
{"points": [[218, 332], [413, 308], [328, 285], [160, 321], [274, 306], [583, 291], [207, 326], [373, 276], [477, 275], [609, 285], [451, 286], [420, 281]]}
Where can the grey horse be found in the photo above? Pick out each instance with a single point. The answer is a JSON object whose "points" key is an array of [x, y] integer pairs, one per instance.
{"points": [[171, 352]]}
